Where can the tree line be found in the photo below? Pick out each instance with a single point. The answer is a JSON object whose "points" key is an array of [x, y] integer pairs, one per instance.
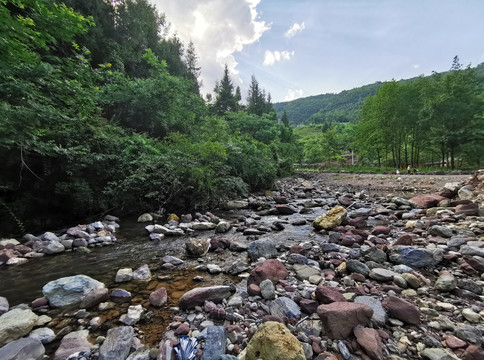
{"points": [[101, 111]]}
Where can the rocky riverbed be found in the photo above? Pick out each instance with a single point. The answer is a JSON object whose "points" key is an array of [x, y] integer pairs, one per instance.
{"points": [[322, 267]]}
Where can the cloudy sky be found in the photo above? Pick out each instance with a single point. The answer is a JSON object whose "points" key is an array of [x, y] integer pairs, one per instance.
{"points": [[298, 48]]}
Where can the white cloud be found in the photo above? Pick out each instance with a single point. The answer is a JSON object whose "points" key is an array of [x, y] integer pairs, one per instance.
{"points": [[294, 30], [218, 29], [271, 57], [416, 66], [293, 94]]}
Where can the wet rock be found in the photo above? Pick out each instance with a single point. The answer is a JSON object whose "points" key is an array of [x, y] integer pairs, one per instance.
{"points": [[4, 306], [340, 318], [72, 343], [143, 273], [145, 218], [215, 343], [402, 310], [262, 248], [120, 295], [23, 349], [197, 296], [133, 315], [370, 341], [117, 344], [446, 282], [328, 295], [273, 341], [271, 269], [171, 260], [159, 297], [379, 316], [16, 323], [44, 335], [285, 307], [124, 275], [70, 291], [427, 200], [304, 272], [52, 247], [197, 247], [334, 217]]}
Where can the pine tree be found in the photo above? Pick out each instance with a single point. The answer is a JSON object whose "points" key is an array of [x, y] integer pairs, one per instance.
{"points": [[225, 99]]}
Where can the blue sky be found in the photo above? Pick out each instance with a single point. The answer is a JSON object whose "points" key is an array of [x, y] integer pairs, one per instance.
{"points": [[310, 47]]}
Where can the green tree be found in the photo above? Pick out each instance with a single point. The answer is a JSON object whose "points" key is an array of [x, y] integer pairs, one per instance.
{"points": [[225, 99]]}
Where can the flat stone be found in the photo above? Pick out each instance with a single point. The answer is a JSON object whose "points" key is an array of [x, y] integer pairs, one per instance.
{"points": [[4, 305], [304, 272], [340, 318], [328, 294], [381, 274], [72, 343], [197, 296], [370, 341], [23, 349], [438, 354], [331, 219], [171, 260], [271, 269], [379, 316], [262, 248], [358, 267], [402, 310], [143, 273], [285, 307]]}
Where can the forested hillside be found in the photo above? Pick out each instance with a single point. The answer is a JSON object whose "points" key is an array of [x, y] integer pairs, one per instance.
{"points": [[101, 112], [341, 107]]}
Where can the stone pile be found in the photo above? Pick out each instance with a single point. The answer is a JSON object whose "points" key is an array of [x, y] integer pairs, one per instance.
{"points": [[373, 278], [77, 238]]}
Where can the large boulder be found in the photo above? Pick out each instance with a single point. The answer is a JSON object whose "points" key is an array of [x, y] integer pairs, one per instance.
{"points": [[70, 291], [262, 248], [340, 318], [334, 217], [273, 341], [271, 269], [198, 296], [16, 323], [117, 344], [72, 343], [23, 349]]}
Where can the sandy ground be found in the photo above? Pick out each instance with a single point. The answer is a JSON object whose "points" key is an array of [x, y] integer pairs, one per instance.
{"points": [[383, 184]]}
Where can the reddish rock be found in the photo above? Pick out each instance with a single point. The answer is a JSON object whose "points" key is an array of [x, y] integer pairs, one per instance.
{"points": [[476, 262], [405, 239], [358, 223], [370, 341], [402, 310], [182, 329], [6, 254], [280, 199], [219, 243], [358, 277], [340, 318], [471, 209], [381, 230], [23, 249], [159, 297], [253, 290], [473, 352], [308, 306], [427, 200], [328, 295], [360, 232], [285, 209], [94, 297], [345, 201], [199, 295], [454, 342], [271, 269], [298, 249], [39, 302]]}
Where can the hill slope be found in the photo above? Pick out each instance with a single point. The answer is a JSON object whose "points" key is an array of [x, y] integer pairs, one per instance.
{"points": [[341, 107]]}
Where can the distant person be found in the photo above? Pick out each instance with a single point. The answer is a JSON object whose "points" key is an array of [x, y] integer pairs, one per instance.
{"points": [[415, 171], [408, 169], [398, 171]]}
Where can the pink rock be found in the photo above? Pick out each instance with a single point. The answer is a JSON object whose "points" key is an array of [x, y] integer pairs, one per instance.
{"points": [[199, 295], [94, 297], [370, 341], [328, 295], [427, 200], [339, 318], [467, 209], [402, 310], [405, 239], [381, 230], [271, 269], [473, 352], [159, 297], [253, 290], [182, 329], [454, 342]]}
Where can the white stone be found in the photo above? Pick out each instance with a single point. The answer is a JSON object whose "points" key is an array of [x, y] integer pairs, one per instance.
{"points": [[4, 242], [124, 275], [44, 335], [133, 315]]}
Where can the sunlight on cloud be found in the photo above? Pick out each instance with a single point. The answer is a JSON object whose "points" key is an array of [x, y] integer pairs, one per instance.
{"points": [[293, 94], [218, 29], [271, 57], [294, 30]]}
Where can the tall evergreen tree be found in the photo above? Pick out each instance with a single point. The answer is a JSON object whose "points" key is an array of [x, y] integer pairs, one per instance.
{"points": [[224, 95]]}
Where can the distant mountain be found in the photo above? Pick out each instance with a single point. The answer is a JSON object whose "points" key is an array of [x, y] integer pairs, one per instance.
{"points": [[341, 107]]}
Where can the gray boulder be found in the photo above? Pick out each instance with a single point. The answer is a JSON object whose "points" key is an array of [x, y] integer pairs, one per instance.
{"points": [[4, 306], [262, 248], [70, 291], [15, 324], [117, 344], [23, 349], [52, 247], [285, 307], [215, 342]]}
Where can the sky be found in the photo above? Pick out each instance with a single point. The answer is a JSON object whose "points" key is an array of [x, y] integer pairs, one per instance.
{"points": [[299, 48]]}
